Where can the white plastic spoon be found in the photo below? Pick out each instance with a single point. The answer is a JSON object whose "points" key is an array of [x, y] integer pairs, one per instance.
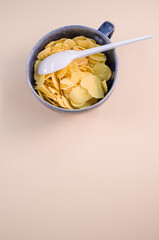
{"points": [[60, 60]]}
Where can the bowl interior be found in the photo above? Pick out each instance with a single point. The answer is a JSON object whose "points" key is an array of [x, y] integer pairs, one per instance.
{"points": [[71, 32]]}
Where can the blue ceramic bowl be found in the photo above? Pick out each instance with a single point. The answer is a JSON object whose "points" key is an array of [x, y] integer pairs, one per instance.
{"points": [[101, 36]]}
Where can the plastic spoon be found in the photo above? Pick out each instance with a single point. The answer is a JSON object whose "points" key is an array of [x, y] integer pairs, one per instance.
{"points": [[61, 59]]}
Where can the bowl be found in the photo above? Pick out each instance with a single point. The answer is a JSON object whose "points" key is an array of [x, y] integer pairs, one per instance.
{"points": [[101, 36]]}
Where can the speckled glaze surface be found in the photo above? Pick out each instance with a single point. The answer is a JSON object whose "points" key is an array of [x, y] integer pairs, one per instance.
{"points": [[101, 36]]}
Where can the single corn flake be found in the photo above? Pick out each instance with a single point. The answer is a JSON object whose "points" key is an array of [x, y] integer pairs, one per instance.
{"points": [[104, 86], [79, 95], [102, 71], [93, 85]]}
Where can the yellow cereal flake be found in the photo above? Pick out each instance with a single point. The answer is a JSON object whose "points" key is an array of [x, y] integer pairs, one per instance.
{"points": [[104, 86], [61, 73], [99, 57], [89, 103], [79, 95], [81, 61], [93, 85], [68, 44], [45, 53], [102, 71]]}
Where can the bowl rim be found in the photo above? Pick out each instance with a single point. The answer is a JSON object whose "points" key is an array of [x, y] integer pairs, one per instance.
{"points": [[49, 105]]}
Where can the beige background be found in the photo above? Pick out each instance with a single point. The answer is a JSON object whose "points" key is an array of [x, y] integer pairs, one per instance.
{"points": [[92, 176]]}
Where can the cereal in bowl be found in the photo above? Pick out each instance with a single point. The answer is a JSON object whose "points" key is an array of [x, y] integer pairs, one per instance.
{"points": [[79, 85]]}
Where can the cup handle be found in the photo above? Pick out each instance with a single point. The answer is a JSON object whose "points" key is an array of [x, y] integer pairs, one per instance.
{"points": [[107, 28]]}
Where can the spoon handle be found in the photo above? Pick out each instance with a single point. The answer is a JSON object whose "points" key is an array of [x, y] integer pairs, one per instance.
{"points": [[107, 47]]}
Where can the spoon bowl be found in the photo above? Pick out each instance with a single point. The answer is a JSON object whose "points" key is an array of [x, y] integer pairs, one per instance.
{"points": [[56, 62]]}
